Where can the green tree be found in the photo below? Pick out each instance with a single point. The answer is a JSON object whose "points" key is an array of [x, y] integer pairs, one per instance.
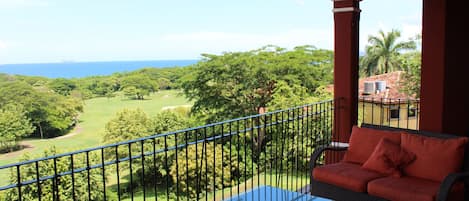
{"points": [[62, 86], [286, 96], [211, 174], [167, 78], [52, 114], [241, 83], [63, 113], [98, 86], [35, 81], [14, 125], [132, 124], [126, 125], [411, 78], [164, 83], [22, 94], [167, 121], [65, 190], [138, 86], [132, 92], [382, 52], [163, 122], [245, 83]]}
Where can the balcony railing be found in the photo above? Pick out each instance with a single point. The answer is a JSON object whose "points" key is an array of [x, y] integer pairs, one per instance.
{"points": [[392, 112], [211, 162]]}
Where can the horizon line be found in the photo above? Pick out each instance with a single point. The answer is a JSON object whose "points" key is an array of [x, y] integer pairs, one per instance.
{"points": [[97, 61]]}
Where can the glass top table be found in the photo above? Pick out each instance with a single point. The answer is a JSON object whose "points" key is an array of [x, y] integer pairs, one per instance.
{"points": [[269, 193]]}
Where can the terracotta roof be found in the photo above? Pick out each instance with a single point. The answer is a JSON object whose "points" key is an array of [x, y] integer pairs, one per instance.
{"points": [[393, 85], [392, 94]]}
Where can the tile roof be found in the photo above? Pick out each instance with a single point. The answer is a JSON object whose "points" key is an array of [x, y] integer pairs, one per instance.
{"points": [[393, 86], [392, 94]]}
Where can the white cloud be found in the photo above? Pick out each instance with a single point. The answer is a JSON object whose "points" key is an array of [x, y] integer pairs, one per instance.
{"points": [[217, 42], [410, 31], [411, 25], [3, 45], [22, 3]]}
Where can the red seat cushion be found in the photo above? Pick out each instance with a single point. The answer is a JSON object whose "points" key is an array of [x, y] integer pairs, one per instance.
{"points": [[364, 140], [410, 188], [345, 175], [435, 158], [388, 158]]}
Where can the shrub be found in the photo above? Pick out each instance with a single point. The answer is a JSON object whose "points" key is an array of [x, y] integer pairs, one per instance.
{"points": [[13, 126], [210, 171], [62, 184]]}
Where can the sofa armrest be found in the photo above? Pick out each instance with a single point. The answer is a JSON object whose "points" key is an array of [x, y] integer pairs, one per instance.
{"points": [[445, 187], [317, 153]]}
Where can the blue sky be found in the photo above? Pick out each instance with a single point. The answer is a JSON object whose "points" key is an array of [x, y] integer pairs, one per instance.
{"points": [[34, 31]]}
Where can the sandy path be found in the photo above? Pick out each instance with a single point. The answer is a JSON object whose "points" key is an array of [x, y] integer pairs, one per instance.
{"points": [[173, 107], [28, 147], [77, 130]]}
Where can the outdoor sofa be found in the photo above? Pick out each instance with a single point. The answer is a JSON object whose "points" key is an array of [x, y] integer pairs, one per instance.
{"points": [[383, 163]]}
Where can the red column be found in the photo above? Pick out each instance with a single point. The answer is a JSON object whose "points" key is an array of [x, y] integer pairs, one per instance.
{"points": [[346, 29], [346, 21], [445, 68]]}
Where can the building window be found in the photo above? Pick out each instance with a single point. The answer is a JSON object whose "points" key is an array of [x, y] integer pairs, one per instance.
{"points": [[394, 112], [412, 112]]}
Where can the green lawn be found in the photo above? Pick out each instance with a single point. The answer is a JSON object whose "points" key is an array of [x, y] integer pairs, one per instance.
{"points": [[97, 112]]}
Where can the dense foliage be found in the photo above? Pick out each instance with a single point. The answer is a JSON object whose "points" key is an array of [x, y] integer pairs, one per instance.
{"points": [[65, 192], [242, 83], [126, 125], [62, 86], [135, 85], [209, 170], [132, 124], [411, 78], [50, 113], [14, 125], [138, 86]]}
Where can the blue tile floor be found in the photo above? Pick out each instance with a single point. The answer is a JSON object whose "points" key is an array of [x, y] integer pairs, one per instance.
{"points": [[269, 193]]}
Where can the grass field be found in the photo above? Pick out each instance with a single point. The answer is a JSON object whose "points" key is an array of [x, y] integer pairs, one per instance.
{"points": [[97, 112]]}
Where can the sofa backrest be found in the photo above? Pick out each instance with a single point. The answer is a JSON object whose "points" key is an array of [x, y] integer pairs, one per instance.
{"points": [[428, 134]]}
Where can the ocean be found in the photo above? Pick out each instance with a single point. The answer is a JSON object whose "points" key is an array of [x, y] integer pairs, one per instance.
{"points": [[85, 69]]}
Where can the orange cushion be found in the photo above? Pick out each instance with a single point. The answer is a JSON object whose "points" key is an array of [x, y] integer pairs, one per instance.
{"points": [[346, 175], [388, 158], [411, 188], [364, 140], [435, 158]]}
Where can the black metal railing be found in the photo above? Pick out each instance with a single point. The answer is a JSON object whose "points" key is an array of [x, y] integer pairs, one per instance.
{"points": [[400, 113], [211, 162]]}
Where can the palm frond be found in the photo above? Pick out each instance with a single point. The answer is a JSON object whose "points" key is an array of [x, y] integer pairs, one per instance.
{"points": [[382, 52]]}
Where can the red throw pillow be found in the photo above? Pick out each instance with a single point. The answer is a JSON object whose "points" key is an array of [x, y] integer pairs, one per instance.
{"points": [[364, 140], [388, 158], [435, 157]]}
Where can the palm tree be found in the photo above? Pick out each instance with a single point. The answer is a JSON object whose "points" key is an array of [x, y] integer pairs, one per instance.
{"points": [[383, 51]]}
